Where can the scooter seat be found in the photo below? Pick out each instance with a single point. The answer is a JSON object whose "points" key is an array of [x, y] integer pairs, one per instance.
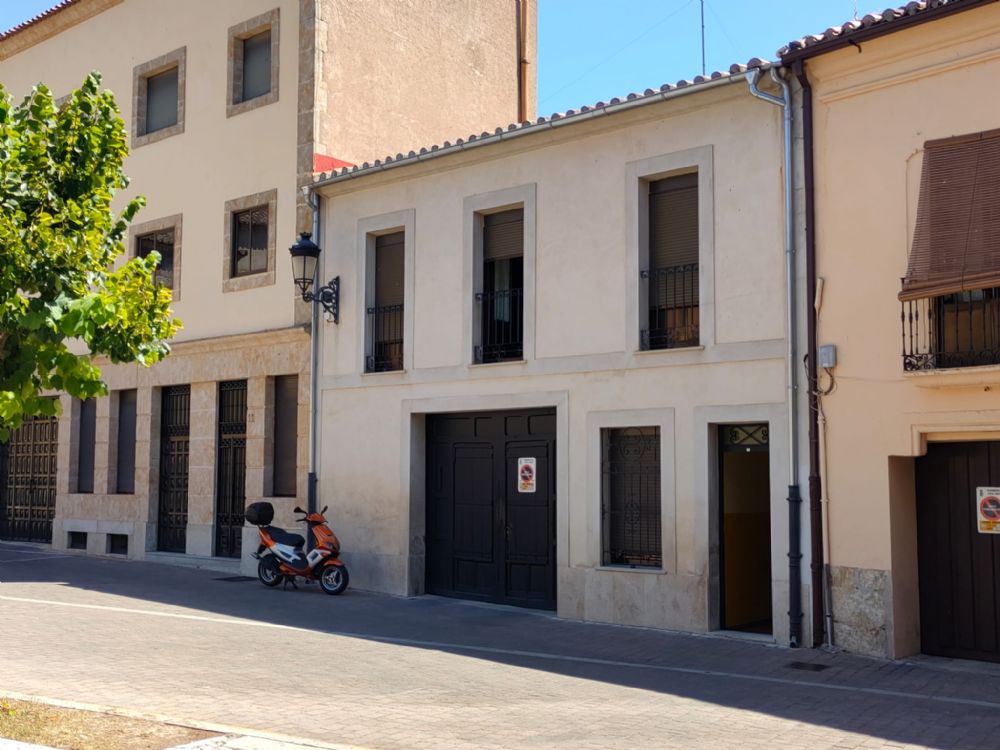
{"points": [[283, 537]]}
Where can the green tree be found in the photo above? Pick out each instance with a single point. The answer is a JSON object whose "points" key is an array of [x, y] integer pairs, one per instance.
{"points": [[60, 169]]}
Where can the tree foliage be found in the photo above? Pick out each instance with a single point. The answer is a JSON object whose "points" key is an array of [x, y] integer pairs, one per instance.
{"points": [[62, 301]]}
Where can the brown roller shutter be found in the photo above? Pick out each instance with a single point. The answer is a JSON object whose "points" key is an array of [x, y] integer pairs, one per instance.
{"points": [[85, 455], [389, 263], [126, 442], [503, 235], [673, 222], [286, 408], [956, 242]]}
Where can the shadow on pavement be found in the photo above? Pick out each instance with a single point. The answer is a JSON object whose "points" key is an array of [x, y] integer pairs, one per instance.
{"points": [[911, 702]]}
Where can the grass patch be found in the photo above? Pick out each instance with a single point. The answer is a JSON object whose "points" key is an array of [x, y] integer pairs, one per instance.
{"points": [[72, 729]]}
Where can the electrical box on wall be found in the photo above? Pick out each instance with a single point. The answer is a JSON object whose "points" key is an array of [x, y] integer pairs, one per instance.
{"points": [[828, 356]]}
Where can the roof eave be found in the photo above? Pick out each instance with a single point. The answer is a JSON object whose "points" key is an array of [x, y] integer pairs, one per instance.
{"points": [[804, 51]]}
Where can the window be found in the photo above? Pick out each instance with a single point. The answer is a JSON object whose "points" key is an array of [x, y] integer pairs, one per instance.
{"points": [[385, 307], [253, 63], [117, 544], [672, 273], [250, 241], [85, 446], [158, 98], [163, 243], [501, 301], [286, 434], [951, 291], [630, 497], [77, 540], [125, 456]]}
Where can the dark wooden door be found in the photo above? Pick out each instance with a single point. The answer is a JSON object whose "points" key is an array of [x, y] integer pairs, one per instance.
{"points": [[231, 468], [958, 566], [175, 429], [28, 481], [486, 538]]}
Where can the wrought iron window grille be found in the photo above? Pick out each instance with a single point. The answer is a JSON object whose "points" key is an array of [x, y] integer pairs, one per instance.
{"points": [[631, 500], [673, 320], [502, 329], [386, 326], [955, 330]]}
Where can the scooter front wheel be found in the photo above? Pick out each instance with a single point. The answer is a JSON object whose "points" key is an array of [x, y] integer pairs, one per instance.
{"points": [[268, 571], [334, 579]]}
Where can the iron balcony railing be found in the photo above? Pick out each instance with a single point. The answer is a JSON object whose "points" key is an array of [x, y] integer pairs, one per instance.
{"points": [[673, 307], [386, 327], [502, 332], [954, 330]]}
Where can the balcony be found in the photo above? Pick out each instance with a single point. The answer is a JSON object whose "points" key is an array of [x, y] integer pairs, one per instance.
{"points": [[502, 332], [950, 331], [385, 325], [673, 307]]}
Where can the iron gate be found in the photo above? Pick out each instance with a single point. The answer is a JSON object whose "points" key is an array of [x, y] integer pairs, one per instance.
{"points": [[28, 481], [231, 468], [175, 428]]}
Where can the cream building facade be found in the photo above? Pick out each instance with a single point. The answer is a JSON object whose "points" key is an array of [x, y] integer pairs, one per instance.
{"points": [[232, 106], [904, 150], [559, 378]]}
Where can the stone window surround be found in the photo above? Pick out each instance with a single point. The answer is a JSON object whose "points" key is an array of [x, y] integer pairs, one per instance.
{"points": [[270, 20], [368, 229], [232, 283], [598, 421], [474, 208], [638, 175], [175, 222], [140, 74]]}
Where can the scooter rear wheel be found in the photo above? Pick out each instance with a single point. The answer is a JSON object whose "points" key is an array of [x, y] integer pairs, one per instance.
{"points": [[334, 579], [268, 572]]}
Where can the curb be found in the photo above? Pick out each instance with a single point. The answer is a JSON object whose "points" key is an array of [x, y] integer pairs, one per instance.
{"points": [[237, 738]]}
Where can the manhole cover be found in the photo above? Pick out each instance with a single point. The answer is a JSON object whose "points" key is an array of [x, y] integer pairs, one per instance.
{"points": [[807, 666], [236, 579]]}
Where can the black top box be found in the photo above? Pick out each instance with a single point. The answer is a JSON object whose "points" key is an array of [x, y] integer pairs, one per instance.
{"points": [[260, 514]]}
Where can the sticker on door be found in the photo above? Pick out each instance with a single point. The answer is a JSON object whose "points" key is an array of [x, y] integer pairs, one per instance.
{"points": [[988, 509], [526, 474]]}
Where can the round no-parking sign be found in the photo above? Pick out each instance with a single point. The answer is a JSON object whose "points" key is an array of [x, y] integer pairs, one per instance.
{"points": [[988, 509]]}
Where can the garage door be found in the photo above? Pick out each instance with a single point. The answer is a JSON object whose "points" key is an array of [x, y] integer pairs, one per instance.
{"points": [[959, 583], [491, 507]]}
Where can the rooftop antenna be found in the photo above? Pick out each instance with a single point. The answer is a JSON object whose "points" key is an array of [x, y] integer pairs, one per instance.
{"points": [[855, 10], [703, 36]]}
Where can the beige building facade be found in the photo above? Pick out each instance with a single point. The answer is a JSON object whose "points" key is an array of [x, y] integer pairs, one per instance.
{"points": [[559, 377], [904, 146], [232, 106]]}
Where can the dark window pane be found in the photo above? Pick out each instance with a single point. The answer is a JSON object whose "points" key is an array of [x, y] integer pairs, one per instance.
{"points": [[256, 66], [161, 101], [286, 410], [126, 441], [250, 241], [163, 243], [630, 496], [85, 456]]}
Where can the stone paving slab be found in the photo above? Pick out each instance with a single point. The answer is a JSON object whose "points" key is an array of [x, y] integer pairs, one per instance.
{"points": [[382, 672]]}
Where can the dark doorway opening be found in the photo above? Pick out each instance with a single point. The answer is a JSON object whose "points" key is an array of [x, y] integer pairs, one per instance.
{"points": [[490, 519], [175, 430], [744, 528], [957, 561], [28, 481]]}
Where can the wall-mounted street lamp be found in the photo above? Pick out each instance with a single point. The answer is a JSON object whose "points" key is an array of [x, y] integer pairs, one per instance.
{"points": [[305, 258]]}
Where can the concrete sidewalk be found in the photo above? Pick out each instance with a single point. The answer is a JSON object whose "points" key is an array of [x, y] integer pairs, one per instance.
{"points": [[376, 671]]}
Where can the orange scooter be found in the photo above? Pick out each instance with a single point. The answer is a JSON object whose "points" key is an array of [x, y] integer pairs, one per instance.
{"points": [[282, 557]]}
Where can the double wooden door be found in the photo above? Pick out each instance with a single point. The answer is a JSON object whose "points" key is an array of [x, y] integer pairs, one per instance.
{"points": [[959, 567], [491, 507]]}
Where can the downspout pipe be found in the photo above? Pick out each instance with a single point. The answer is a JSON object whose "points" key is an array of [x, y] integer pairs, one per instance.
{"points": [[820, 613], [794, 495], [315, 203]]}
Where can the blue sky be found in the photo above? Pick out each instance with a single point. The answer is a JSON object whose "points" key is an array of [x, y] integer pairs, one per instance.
{"points": [[594, 49]]}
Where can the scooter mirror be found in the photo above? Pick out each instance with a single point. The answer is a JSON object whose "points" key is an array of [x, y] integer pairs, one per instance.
{"points": [[297, 509], [324, 509]]}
